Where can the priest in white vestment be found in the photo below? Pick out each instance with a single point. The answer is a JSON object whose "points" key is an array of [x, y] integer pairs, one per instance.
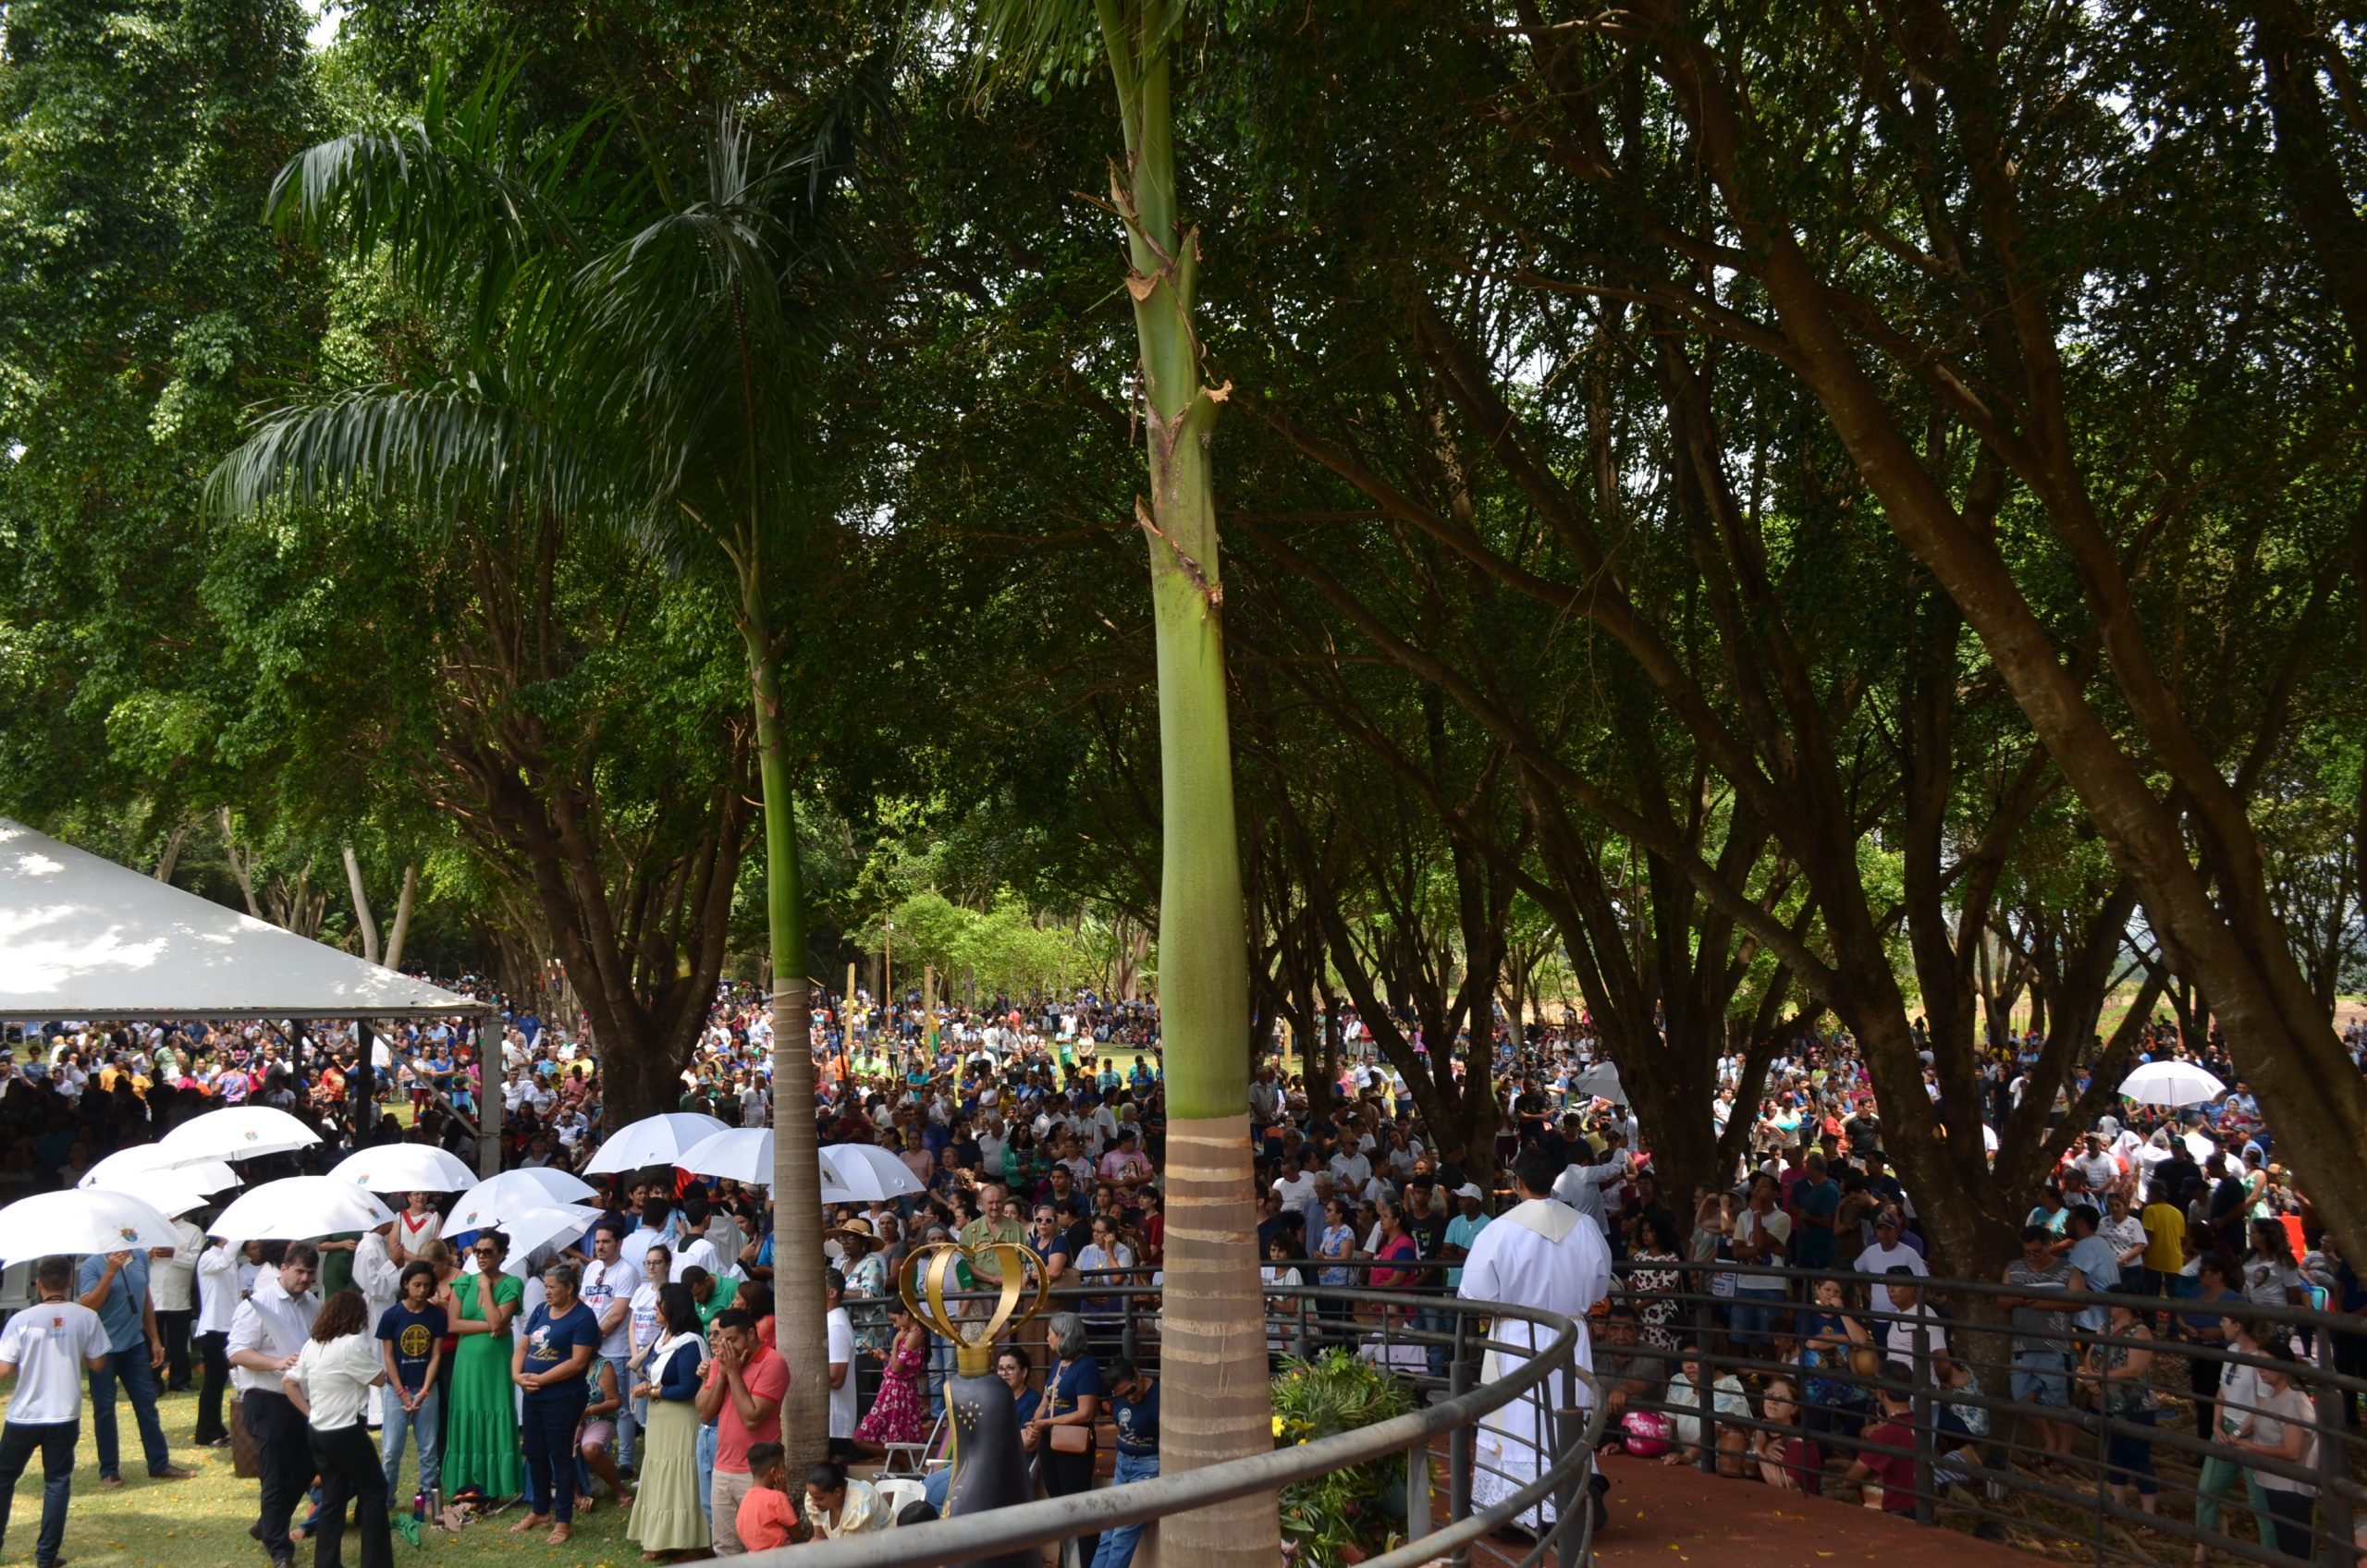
{"points": [[1540, 1253]]}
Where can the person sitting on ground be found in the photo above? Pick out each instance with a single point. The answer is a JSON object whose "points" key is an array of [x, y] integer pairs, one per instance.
{"points": [[1789, 1460], [1728, 1403], [836, 1506], [1884, 1469]]}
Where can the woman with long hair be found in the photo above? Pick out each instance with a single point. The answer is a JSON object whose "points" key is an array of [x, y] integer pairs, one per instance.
{"points": [[666, 1516], [1655, 1279], [899, 1412], [330, 1387], [2120, 1375], [481, 1417]]}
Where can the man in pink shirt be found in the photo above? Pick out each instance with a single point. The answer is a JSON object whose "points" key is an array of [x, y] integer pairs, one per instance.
{"points": [[741, 1396]]}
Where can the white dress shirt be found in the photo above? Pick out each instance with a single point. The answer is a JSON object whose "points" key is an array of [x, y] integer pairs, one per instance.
{"points": [[272, 1323], [171, 1280], [218, 1289], [335, 1379]]}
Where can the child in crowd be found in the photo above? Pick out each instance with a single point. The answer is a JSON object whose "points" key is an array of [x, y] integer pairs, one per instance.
{"points": [[767, 1517]]}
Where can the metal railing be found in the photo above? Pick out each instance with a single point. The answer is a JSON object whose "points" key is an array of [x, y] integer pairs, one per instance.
{"points": [[1436, 1349], [2003, 1422]]}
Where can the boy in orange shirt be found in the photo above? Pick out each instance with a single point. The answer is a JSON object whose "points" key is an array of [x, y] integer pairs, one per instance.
{"points": [[767, 1518]]}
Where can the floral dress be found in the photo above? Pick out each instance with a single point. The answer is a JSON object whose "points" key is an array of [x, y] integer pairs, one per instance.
{"points": [[1653, 1284], [899, 1414]]}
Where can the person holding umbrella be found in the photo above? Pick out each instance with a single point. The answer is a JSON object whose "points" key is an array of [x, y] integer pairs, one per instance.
{"points": [[114, 1285], [47, 1348]]}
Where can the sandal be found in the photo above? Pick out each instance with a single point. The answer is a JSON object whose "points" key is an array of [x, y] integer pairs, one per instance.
{"points": [[532, 1522], [559, 1532]]}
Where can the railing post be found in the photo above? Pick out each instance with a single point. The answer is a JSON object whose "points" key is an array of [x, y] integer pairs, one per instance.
{"points": [[1705, 1323], [1126, 1334], [2334, 1461], [1927, 1509], [1459, 1441], [2103, 1467], [1418, 1491], [1574, 1502]]}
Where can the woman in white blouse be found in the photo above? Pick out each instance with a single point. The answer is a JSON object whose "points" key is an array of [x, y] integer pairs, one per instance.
{"points": [[330, 1384]]}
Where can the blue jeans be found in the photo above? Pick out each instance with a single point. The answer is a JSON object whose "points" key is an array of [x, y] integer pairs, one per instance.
{"points": [[427, 1421], [549, 1422], [1118, 1543], [55, 1441], [628, 1413], [1757, 1313], [131, 1367], [706, 1473]]}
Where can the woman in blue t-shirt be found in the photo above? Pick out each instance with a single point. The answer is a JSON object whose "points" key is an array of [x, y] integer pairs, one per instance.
{"points": [[552, 1356], [1071, 1402]]}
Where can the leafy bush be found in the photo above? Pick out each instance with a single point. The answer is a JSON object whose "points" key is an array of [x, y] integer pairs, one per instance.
{"points": [[1348, 1514]]}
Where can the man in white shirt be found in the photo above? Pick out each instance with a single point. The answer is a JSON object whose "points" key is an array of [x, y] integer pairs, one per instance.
{"points": [[47, 1348], [218, 1304], [380, 1281], [265, 1338], [172, 1286], [839, 1330], [1581, 1186], [1296, 1188], [608, 1284], [1888, 1253]]}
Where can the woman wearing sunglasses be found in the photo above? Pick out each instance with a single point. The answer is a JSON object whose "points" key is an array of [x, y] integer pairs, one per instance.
{"points": [[481, 1418]]}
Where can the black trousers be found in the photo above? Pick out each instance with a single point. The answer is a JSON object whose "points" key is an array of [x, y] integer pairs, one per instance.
{"points": [[175, 1327], [350, 1469], [215, 1350], [54, 1442], [1071, 1474], [284, 1446]]}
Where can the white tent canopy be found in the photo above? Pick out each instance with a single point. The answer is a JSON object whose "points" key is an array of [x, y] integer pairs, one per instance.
{"points": [[84, 937]]}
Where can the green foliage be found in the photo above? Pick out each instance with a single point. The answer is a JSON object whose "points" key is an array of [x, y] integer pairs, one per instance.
{"points": [[1345, 1515]]}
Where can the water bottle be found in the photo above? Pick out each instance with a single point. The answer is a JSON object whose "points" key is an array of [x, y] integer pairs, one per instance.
{"points": [[419, 1504]]}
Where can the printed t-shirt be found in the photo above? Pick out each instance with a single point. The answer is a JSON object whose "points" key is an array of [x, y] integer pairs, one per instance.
{"points": [[413, 1335], [50, 1344], [551, 1339]]}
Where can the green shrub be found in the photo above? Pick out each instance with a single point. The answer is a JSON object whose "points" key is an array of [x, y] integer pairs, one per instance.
{"points": [[1348, 1514]]}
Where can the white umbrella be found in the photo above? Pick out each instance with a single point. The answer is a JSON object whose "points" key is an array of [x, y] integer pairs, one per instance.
{"points": [[533, 1228], [238, 1131], [743, 1154], [496, 1199], [84, 1221], [299, 1208], [2171, 1084], [162, 1191], [866, 1173], [653, 1140], [404, 1168], [1600, 1081], [129, 1169]]}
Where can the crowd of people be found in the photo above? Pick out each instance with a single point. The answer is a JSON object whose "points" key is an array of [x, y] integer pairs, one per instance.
{"points": [[634, 1367]]}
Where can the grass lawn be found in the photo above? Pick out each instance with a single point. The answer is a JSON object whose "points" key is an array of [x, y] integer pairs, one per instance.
{"points": [[202, 1523]]}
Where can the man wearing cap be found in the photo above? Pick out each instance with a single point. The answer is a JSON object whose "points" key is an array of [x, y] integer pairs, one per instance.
{"points": [[1887, 1256], [1463, 1229]]}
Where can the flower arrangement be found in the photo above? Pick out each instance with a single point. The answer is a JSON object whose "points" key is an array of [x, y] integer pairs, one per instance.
{"points": [[1351, 1513]]}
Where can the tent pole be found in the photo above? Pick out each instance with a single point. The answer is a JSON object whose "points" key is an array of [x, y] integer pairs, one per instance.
{"points": [[361, 1090]]}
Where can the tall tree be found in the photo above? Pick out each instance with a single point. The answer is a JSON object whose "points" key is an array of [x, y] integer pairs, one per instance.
{"points": [[1213, 1322]]}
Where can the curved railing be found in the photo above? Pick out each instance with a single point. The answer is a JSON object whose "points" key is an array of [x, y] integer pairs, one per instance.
{"points": [[1994, 1453], [1437, 1348]]}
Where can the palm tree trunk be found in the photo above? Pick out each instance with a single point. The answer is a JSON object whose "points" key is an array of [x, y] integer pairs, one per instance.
{"points": [[1213, 1336], [798, 1327]]}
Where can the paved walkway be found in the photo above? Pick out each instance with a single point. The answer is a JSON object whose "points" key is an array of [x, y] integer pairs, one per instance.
{"points": [[1662, 1515]]}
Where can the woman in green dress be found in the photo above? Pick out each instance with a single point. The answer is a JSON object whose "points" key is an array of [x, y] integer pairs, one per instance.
{"points": [[479, 1416]]}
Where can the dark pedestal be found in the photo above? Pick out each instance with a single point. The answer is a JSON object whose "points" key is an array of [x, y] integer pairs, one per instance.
{"points": [[989, 1467]]}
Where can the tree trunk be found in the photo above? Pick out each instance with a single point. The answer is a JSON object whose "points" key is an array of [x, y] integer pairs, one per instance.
{"points": [[1214, 1337], [362, 919], [242, 862], [171, 856], [402, 916], [799, 1330]]}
